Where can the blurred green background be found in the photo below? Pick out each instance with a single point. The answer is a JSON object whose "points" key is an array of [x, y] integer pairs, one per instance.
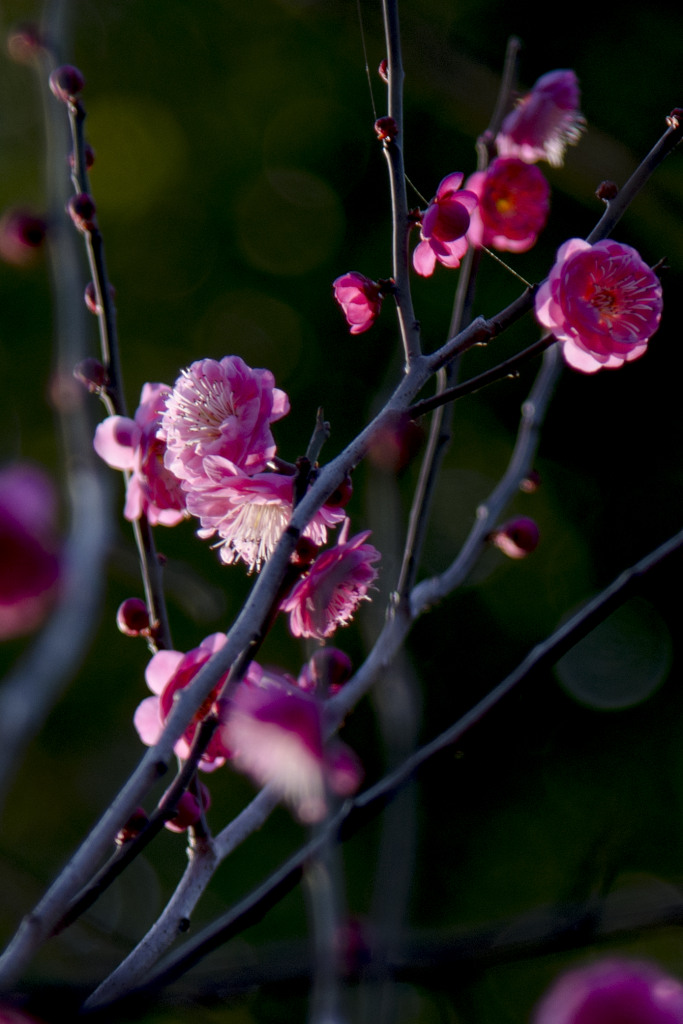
{"points": [[236, 175]]}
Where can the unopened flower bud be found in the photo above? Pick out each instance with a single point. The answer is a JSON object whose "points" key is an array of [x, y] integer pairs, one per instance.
{"points": [[188, 812], [132, 617], [133, 827], [606, 191], [24, 43], [386, 129], [383, 70], [305, 551], [531, 482], [330, 668], [90, 297], [395, 443], [66, 82], [341, 496], [81, 209], [21, 235], [518, 538], [92, 374], [674, 119], [88, 155]]}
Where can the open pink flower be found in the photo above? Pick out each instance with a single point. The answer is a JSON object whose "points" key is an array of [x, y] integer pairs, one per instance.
{"points": [[514, 198], [602, 303], [29, 562], [249, 513], [221, 408], [360, 299], [613, 992], [544, 122], [444, 226], [274, 733], [330, 593], [166, 674], [133, 445]]}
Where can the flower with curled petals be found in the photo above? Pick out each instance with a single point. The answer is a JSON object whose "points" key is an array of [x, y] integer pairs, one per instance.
{"points": [[544, 122], [360, 300], [613, 992], [514, 199], [249, 513], [444, 227], [221, 408], [602, 303], [133, 445], [167, 673], [338, 580]]}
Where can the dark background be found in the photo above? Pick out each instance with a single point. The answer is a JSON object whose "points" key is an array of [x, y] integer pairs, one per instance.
{"points": [[237, 174]]}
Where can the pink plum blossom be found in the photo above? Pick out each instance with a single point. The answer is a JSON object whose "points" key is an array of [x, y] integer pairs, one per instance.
{"points": [[29, 561], [221, 408], [444, 227], [360, 300], [613, 992], [274, 733], [249, 513], [167, 673], [602, 303], [134, 445], [513, 205], [544, 122], [330, 593]]}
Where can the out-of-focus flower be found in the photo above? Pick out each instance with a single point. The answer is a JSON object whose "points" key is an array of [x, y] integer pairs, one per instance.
{"points": [[613, 992], [249, 513], [274, 733], [22, 234], [221, 408], [134, 445], [518, 538], [395, 443], [360, 300], [29, 562], [338, 580], [444, 226], [545, 121], [602, 303], [325, 672], [514, 199], [167, 673]]}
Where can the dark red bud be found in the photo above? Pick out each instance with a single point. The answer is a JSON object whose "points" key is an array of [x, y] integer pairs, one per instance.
{"points": [[395, 443], [674, 119], [133, 827], [24, 43], [88, 156], [67, 83], [383, 70], [386, 129], [330, 668], [91, 373], [518, 538], [606, 191], [304, 552], [90, 297], [342, 495], [132, 618], [188, 811], [81, 209], [531, 482]]}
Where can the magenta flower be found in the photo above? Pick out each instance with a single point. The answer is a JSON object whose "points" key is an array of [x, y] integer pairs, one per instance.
{"points": [[613, 992], [166, 674], [249, 513], [514, 198], [330, 593], [360, 300], [274, 733], [544, 122], [221, 408], [29, 562], [602, 303], [444, 226], [134, 445]]}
